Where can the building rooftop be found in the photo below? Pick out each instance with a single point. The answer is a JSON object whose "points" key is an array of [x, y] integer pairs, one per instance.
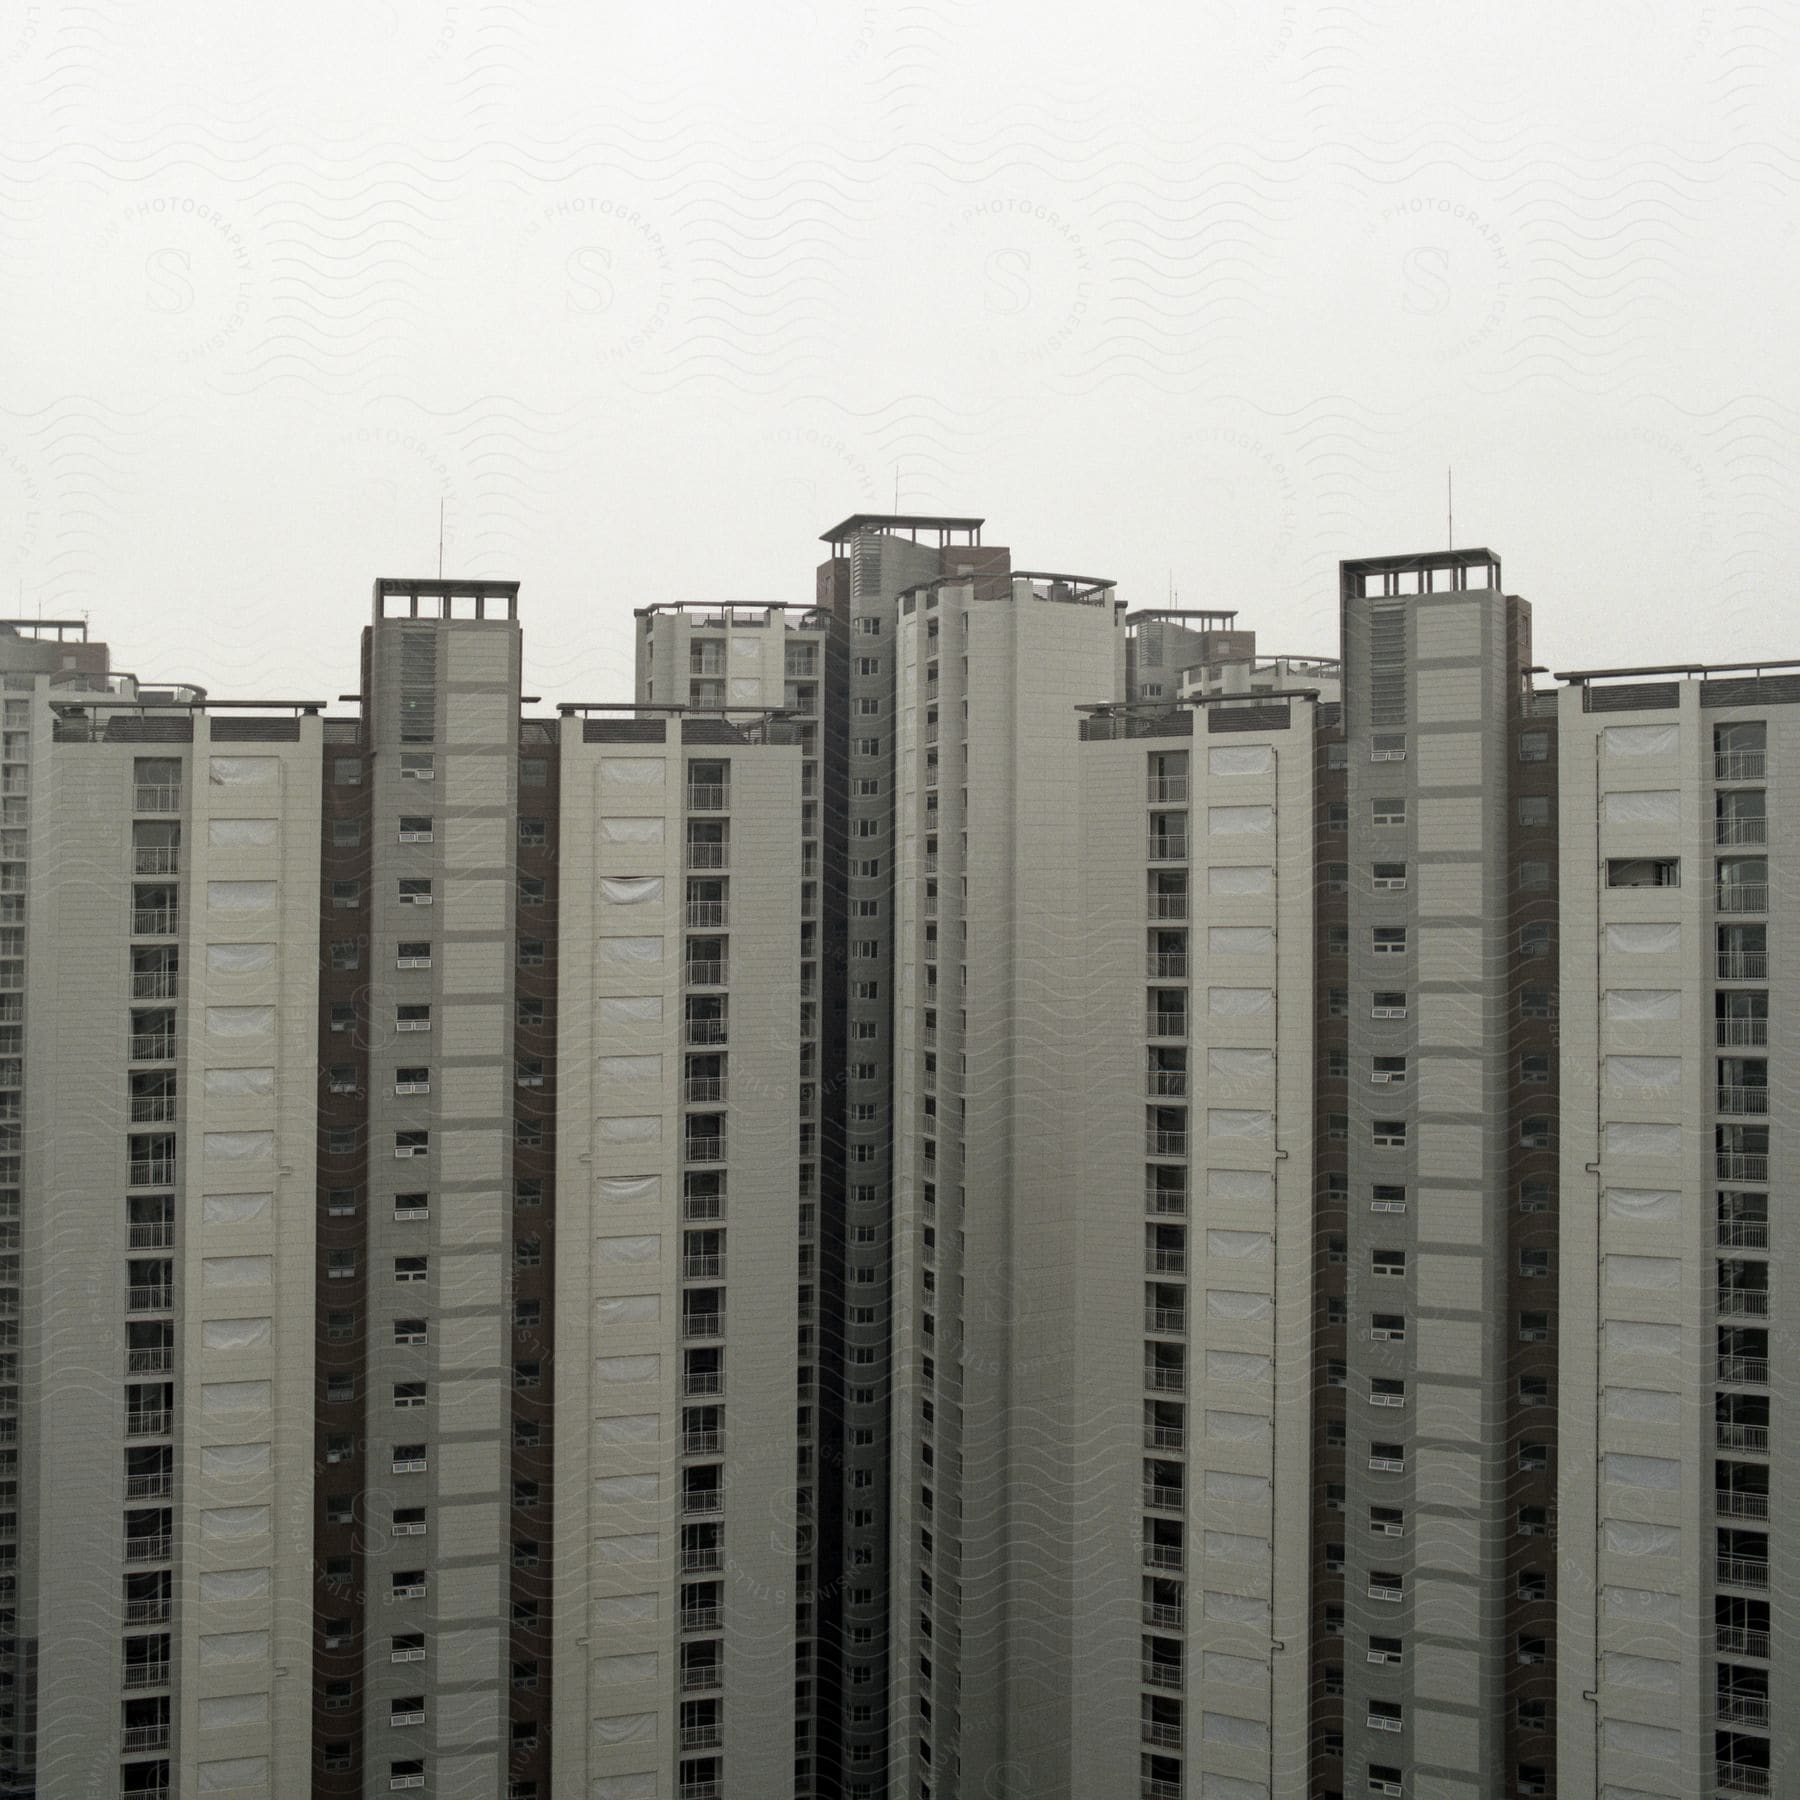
{"points": [[913, 523]]}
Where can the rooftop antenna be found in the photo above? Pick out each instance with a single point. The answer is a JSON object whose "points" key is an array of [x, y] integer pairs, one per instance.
{"points": [[896, 490], [1450, 505], [440, 540]]}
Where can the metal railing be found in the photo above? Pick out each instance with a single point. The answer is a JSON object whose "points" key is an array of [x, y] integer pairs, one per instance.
{"points": [[703, 1325], [715, 971], [1744, 1571], [1739, 1503], [157, 1486], [702, 1737], [706, 913], [1731, 831], [709, 1149], [154, 921], [1168, 788], [708, 796], [706, 1031], [1163, 1022], [152, 1298], [702, 1443], [1164, 1318], [1742, 897], [156, 859], [705, 856], [158, 1235], [147, 1674], [156, 797], [1729, 1435], [1161, 1674], [1168, 1262], [1165, 1498], [1166, 965], [1167, 1202], [1743, 965], [1163, 1380], [1162, 1556], [1165, 1437], [1741, 1033], [1743, 1778], [154, 984], [1742, 1165], [1168, 906], [1168, 846], [1743, 1303], [148, 1549], [1744, 1371], [144, 1737], [1742, 1709], [1165, 1143], [1740, 765], [153, 1611], [150, 1422], [159, 1361], [706, 1675], [1739, 1640], [153, 1046], [1743, 1101]]}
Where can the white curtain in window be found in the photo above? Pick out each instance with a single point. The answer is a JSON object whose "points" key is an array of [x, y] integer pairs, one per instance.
{"points": [[631, 1068], [1232, 882], [1640, 1337], [631, 890], [1240, 759], [1643, 1003], [628, 1371], [233, 1647], [1242, 1186], [1240, 1002], [1661, 939], [236, 1334], [1651, 1074], [630, 1190], [239, 896], [1237, 1365], [237, 1271], [1237, 1427], [1662, 1473], [1631, 1537], [630, 1547], [240, 834], [218, 1398], [1636, 1139], [1248, 1490], [239, 959], [235, 1459], [1239, 821], [626, 1728], [239, 1084], [1629, 1739], [1230, 1303], [631, 771], [628, 1309], [1641, 806], [1653, 1674], [617, 1490], [616, 950], [234, 1209], [1237, 1244], [1641, 1603], [1642, 1406], [617, 1669], [643, 1129], [1239, 940], [243, 771], [645, 1248], [1642, 1271], [625, 1787], [633, 1009], [234, 1772], [229, 1711], [240, 1021], [1641, 740], [631, 831], [238, 1146], [1648, 1206], [234, 1521], [1236, 1546], [1228, 1728], [1234, 1609], [1239, 1122], [624, 1609], [629, 1428]]}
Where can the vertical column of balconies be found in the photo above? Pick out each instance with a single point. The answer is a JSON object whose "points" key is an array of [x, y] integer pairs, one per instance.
{"points": [[151, 1106], [705, 1151], [1744, 1309], [1168, 1361]]}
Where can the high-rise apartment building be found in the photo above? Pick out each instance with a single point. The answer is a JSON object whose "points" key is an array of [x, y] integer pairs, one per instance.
{"points": [[975, 1195]]}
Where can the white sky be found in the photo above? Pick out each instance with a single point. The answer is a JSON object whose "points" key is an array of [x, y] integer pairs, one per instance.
{"points": [[650, 295]]}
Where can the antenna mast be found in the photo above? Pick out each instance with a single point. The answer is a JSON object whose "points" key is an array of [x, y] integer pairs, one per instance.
{"points": [[1450, 505]]}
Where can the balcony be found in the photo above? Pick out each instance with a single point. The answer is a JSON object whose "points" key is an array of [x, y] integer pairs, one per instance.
{"points": [[1742, 1709], [1743, 1571], [1168, 906], [1740, 765], [144, 1737], [148, 1549], [1162, 1556], [704, 1561], [153, 1046], [1156, 1731], [1743, 1101], [152, 1611], [157, 1297], [706, 915], [1164, 1380], [714, 972], [708, 796], [152, 1422], [159, 1234], [1742, 1034], [155, 797], [1737, 1640], [1744, 1371], [1743, 1778], [156, 859], [705, 1032], [1743, 1303], [1161, 1497], [1164, 1615], [1165, 1319], [154, 921], [159, 1361], [1161, 1674], [702, 1737], [1167, 789], [709, 1266], [1166, 965], [705, 1675], [1165, 1437], [705, 856], [708, 1149], [154, 984], [159, 1485], [1743, 965], [702, 1443], [1740, 1165], [1162, 1022], [700, 1618], [1169, 1202], [699, 1790], [703, 1325], [703, 1384], [1738, 1503], [1168, 846], [1165, 1143], [1729, 1435], [147, 1674], [1168, 1262], [1743, 897], [1729, 833], [1150, 1788]]}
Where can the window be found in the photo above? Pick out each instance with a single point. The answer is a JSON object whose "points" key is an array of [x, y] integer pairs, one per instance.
{"points": [[1534, 1068], [346, 954], [1388, 812], [1536, 1003], [1534, 746], [1389, 877], [865, 787], [1534, 1132], [1534, 810], [1337, 816], [413, 1016], [417, 765], [869, 707], [1389, 1134], [346, 893], [531, 953], [1643, 871], [534, 834], [868, 746], [1388, 1070], [412, 955], [531, 890], [346, 834], [415, 828], [343, 1015], [1387, 1262], [534, 772], [1387, 746], [1534, 940], [868, 665], [409, 1268], [346, 771], [1389, 940], [869, 627], [1337, 756]]}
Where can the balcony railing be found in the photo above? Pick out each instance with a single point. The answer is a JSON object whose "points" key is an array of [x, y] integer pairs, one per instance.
{"points": [[158, 1361], [157, 1486], [700, 1618], [1165, 1437], [1168, 1262], [154, 1298], [1168, 846], [1727, 832], [703, 1325], [714, 972], [1743, 1100], [154, 921], [1157, 1731], [1162, 1497], [156, 859], [1743, 1571], [152, 1109], [705, 856], [1168, 906], [1742, 1709], [699, 1790], [1165, 1318], [702, 1443], [1739, 1503], [1742, 1033], [147, 1674], [706, 1675], [1729, 1435], [1743, 897], [1166, 965], [706, 914], [1161, 1022], [1743, 1303], [708, 796], [150, 1422], [710, 1149], [154, 1611], [706, 1031], [1743, 965], [1738, 1640], [1165, 1143], [154, 984], [1168, 788], [159, 1234], [153, 1046], [703, 1383], [1168, 1202], [1743, 1778], [1744, 1371], [148, 1549], [1743, 1165], [144, 1737], [1165, 1381], [155, 798], [1169, 1084], [702, 1737], [1740, 765], [1161, 1674], [1162, 1556], [703, 1560]]}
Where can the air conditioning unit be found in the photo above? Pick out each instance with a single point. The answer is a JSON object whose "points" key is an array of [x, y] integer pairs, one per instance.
{"points": [[1387, 1012], [1381, 1077], [1389, 1529], [1385, 1787], [1390, 884], [409, 1465], [415, 1654], [412, 1087], [1387, 1465], [409, 1337], [412, 962], [410, 1215], [1387, 1206], [412, 1024], [410, 1528], [415, 837]]}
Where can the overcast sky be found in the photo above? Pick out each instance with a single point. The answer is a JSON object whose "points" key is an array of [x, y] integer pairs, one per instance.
{"points": [[649, 295]]}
